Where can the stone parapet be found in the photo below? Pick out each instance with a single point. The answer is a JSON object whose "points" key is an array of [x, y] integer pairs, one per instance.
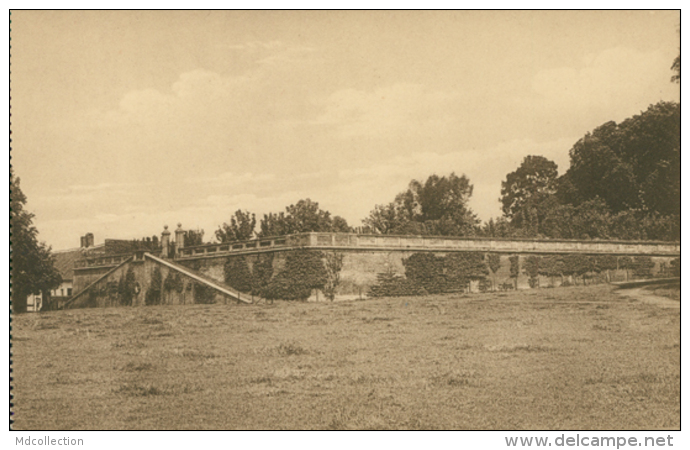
{"points": [[354, 242]]}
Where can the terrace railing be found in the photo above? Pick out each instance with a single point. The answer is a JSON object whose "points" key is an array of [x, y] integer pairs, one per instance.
{"points": [[431, 243]]}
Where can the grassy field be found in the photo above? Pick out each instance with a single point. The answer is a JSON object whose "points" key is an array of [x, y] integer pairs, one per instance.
{"points": [[566, 358]]}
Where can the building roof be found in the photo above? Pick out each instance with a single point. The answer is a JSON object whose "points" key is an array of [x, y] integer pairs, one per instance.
{"points": [[64, 262]]}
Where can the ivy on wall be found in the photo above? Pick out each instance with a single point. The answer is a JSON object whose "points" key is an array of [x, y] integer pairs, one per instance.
{"points": [[425, 270], [304, 271], [237, 274], [426, 273], [389, 284], [531, 268], [127, 287], [514, 268], [262, 274], [153, 294], [333, 265], [204, 294], [675, 267], [643, 266]]}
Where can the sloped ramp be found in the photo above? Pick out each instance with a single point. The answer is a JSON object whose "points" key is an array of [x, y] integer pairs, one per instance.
{"points": [[205, 280], [80, 294]]}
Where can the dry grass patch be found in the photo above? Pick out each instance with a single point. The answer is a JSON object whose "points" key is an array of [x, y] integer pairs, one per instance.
{"points": [[564, 358]]}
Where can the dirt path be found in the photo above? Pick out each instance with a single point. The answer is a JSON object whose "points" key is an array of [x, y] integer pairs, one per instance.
{"points": [[644, 295]]}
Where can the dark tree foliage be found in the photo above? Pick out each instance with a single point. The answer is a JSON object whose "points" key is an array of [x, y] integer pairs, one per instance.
{"points": [[203, 294], [552, 266], [531, 268], [389, 284], [304, 271], [514, 266], [120, 246], [623, 183], [240, 228], [425, 269], [632, 165], [302, 217], [237, 274], [589, 220], [461, 268], [333, 265], [153, 294], [525, 191], [340, 225], [493, 260], [127, 287], [173, 282], [194, 237], [626, 263], [32, 269], [676, 68], [262, 274], [436, 207], [642, 266]]}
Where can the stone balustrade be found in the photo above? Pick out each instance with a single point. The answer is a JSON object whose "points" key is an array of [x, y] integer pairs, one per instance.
{"points": [[432, 243]]}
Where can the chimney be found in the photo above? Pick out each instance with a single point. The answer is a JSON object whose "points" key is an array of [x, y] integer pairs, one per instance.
{"points": [[86, 241], [165, 242], [179, 238]]}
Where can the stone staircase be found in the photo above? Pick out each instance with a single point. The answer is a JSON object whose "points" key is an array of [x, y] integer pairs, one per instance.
{"points": [[206, 280]]}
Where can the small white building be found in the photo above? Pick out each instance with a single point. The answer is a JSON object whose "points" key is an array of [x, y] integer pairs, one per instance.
{"points": [[64, 263]]}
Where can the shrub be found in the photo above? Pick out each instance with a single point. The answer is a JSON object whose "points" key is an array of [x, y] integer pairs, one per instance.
{"points": [[675, 264], [531, 268], [204, 294], [262, 274], [389, 284], [426, 270], [153, 294], [514, 268], [642, 266], [460, 268], [237, 274], [127, 287], [304, 271], [334, 264]]}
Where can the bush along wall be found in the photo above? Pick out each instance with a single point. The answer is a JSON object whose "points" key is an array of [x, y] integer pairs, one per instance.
{"points": [[585, 268], [203, 294], [675, 267], [153, 294], [237, 274], [304, 271], [427, 273]]}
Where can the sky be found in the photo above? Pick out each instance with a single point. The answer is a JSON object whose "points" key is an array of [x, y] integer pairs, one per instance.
{"points": [[123, 122]]}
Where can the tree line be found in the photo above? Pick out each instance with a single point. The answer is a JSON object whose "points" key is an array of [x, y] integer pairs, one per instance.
{"points": [[623, 183]]}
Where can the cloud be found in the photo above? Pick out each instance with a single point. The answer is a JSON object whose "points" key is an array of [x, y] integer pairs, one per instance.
{"points": [[228, 179], [614, 78], [486, 168], [402, 108]]}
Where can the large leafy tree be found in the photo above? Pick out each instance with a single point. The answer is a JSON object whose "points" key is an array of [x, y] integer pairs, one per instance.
{"points": [[676, 68], [194, 237], [240, 228], [32, 269], [632, 165], [302, 217], [527, 194], [437, 206]]}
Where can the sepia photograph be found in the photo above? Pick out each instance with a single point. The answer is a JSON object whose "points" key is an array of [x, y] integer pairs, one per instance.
{"points": [[346, 220]]}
